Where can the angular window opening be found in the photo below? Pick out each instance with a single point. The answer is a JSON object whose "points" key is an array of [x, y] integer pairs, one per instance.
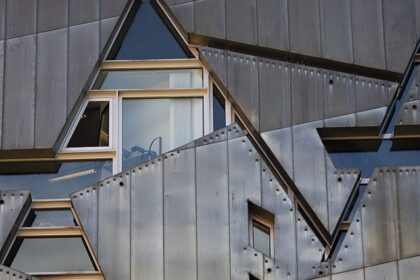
{"points": [[147, 37], [261, 229], [93, 127], [50, 218], [252, 277], [219, 112]]}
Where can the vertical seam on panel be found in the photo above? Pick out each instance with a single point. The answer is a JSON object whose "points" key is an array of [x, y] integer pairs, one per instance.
{"points": [[195, 211], [395, 196], [384, 33], [228, 198], [351, 32], [130, 223], [225, 19], [256, 37], [68, 63], [4, 75], [163, 217], [35, 75], [291, 123], [321, 21], [288, 25]]}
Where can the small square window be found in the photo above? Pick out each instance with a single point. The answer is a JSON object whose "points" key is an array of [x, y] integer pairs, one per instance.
{"points": [[261, 230]]}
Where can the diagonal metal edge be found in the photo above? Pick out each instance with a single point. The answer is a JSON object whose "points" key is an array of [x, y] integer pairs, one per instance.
{"points": [[12, 271]]}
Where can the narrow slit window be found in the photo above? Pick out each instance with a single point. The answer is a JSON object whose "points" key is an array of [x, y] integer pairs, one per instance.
{"points": [[261, 237], [219, 112]]}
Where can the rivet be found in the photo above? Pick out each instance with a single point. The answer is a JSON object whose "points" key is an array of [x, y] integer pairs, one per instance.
{"points": [[278, 190], [255, 254], [331, 81], [345, 246], [268, 270], [121, 184], [339, 179], [1, 201]]}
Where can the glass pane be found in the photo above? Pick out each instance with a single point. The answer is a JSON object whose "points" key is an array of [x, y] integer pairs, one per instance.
{"points": [[70, 177], [151, 127], [150, 79], [93, 127], [219, 114], [50, 218], [52, 255], [261, 235]]}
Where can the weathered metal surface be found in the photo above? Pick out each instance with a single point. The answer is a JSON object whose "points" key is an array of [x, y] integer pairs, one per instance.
{"points": [[274, 91], [114, 226], [409, 268], [107, 25], [413, 88], [351, 275], [386, 271], [417, 17], [234, 131], [272, 25], [217, 61], [241, 21], [368, 35], [409, 113], [336, 32], [180, 245], [372, 117], [111, 8], [345, 120], [378, 218], [2, 44], [213, 261], [370, 93], [304, 27], [213, 11], [20, 18], [306, 91], [339, 94], [51, 87], [52, 14], [82, 11], [147, 221], [7, 273], [19, 96], [2, 19], [185, 14], [215, 137]]}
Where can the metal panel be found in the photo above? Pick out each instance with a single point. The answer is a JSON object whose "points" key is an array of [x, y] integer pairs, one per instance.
{"points": [[371, 117], [107, 25], [180, 215], [336, 30], [387, 271], [235, 131], [217, 61], [2, 19], [275, 99], [82, 11], [185, 14], [413, 88], [399, 34], [304, 27], [112, 8], [346, 120], [368, 35], [19, 94], [351, 275], [280, 143], [212, 212], [273, 24], [214, 137], [243, 83], [51, 87], [339, 94], [85, 203], [370, 93], [378, 218], [307, 99], [7, 273], [409, 113], [21, 18], [114, 227], [275, 200], [83, 53], [52, 14], [241, 21], [244, 184], [350, 253], [417, 17], [210, 18], [310, 169], [147, 221], [409, 268], [1, 87], [408, 194]]}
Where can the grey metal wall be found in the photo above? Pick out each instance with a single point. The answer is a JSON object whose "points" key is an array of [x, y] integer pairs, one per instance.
{"points": [[7, 273]]}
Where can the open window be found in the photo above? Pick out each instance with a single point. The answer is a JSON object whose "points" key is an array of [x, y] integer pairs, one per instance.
{"points": [[261, 230]]}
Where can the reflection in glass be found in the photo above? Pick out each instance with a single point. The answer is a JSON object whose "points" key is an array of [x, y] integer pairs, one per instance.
{"points": [[50, 218], [150, 79], [67, 254], [93, 127], [70, 177], [261, 237], [151, 127]]}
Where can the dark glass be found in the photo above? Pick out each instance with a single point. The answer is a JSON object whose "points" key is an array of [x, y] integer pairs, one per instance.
{"points": [[219, 113], [70, 177], [147, 38], [93, 127], [50, 218], [261, 235], [65, 254]]}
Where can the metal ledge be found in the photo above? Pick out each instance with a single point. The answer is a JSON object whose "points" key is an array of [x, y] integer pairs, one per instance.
{"points": [[50, 232], [151, 64]]}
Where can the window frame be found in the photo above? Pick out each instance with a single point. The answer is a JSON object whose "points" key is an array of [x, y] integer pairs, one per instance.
{"points": [[254, 217]]}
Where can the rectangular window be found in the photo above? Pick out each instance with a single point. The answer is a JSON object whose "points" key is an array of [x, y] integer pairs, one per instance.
{"points": [[261, 238], [261, 229], [50, 218]]}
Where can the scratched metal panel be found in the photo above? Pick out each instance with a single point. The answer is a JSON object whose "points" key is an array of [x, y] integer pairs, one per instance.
{"points": [[351, 275], [112, 8], [82, 11], [310, 168], [275, 200], [51, 87], [368, 34], [85, 203], [336, 30], [114, 226], [241, 21], [339, 94], [185, 14], [7, 273], [304, 27], [370, 93], [234, 131], [408, 194], [107, 25], [386, 271], [20, 18], [2, 19], [244, 184], [212, 212], [346, 120], [217, 61], [180, 215], [147, 221], [83, 53], [1, 87], [280, 143], [417, 17], [243, 83], [350, 253], [413, 88], [214, 137], [409, 268], [307, 96], [399, 34], [309, 250], [273, 24], [372, 117], [378, 218], [52, 14], [19, 93], [275, 99], [409, 113], [210, 18]]}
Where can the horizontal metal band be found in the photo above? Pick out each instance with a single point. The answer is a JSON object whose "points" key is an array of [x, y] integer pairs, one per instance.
{"points": [[50, 232], [151, 64]]}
